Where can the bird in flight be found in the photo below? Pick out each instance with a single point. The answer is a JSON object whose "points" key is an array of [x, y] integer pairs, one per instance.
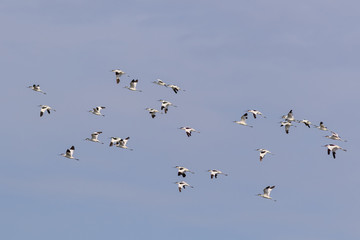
{"points": [[182, 171], [94, 137], [335, 136], [263, 152], [152, 112], [97, 110], [45, 108], [118, 74], [165, 105], [183, 184], [36, 88], [267, 192], [255, 113], [214, 173], [69, 153], [243, 120], [332, 148], [188, 130], [133, 84]]}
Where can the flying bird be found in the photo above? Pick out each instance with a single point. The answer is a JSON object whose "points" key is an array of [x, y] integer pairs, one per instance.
{"points": [[122, 143], [118, 74], [322, 127], [267, 192], [188, 130], [263, 152], [182, 171], [36, 88], [214, 173], [255, 113], [183, 184], [69, 153], [165, 105], [243, 120], [287, 126], [97, 110], [45, 108], [335, 136], [94, 137], [114, 141], [133, 84], [304, 121], [174, 87], [332, 148], [289, 117], [152, 112], [160, 82]]}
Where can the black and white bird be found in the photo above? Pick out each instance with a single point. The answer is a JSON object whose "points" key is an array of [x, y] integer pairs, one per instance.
{"points": [[267, 192], [305, 121], [214, 173], [69, 153], [133, 84], [188, 130], [45, 108], [118, 74], [332, 148], [165, 105], [94, 137], [335, 136], [183, 184], [97, 110], [289, 117], [36, 88], [174, 87], [263, 152], [152, 112], [182, 171], [322, 127], [114, 141], [255, 113], [287, 126], [160, 82], [243, 120], [122, 143]]}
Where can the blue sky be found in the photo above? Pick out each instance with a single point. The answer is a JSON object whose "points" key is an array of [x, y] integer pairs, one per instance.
{"points": [[229, 56]]}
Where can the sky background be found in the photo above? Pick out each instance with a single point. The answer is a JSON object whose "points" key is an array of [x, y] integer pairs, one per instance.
{"points": [[229, 56]]}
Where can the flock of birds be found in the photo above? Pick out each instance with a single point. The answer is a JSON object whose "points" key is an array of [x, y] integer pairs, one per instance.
{"points": [[287, 122]]}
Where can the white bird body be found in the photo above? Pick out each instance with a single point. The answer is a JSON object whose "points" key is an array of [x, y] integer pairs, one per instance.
{"points": [[188, 130], [335, 136], [122, 143], [114, 141], [243, 120], [183, 184], [255, 112], [267, 192], [97, 110], [165, 105], [289, 117], [45, 108], [306, 122], [182, 171], [152, 112], [160, 82], [118, 74], [133, 84], [174, 87], [287, 126], [322, 127], [94, 137], [36, 88], [333, 148], [69, 153], [214, 173], [263, 152]]}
